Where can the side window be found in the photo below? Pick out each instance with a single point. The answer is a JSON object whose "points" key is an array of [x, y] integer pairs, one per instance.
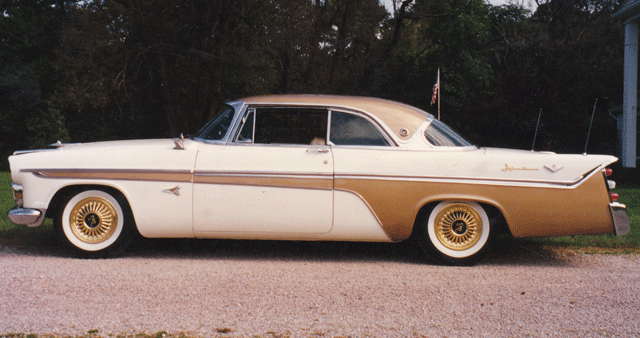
{"points": [[216, 129], [355, 130], [284, 126]]}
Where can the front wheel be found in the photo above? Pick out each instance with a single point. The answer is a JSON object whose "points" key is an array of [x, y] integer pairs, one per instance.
{"points": [[456, 232], [94, 223]]}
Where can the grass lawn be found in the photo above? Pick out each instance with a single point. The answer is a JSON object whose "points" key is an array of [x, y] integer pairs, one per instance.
{"points": [[19, 234], [629, 195]]}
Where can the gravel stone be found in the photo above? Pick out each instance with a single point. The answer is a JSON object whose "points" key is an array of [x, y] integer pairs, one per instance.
{"points": [[269, 289]]}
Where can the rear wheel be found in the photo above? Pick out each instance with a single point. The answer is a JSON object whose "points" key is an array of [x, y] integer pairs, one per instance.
{"points": [[456, 232], [94, 223]]}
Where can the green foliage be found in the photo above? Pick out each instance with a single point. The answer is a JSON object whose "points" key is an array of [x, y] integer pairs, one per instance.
{"points": [[27, 79], [6, 200], [559, 59], [11, 233], [97, 70]]}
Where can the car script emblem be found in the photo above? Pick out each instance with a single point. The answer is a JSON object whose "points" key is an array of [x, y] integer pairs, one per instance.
{"points": [[553, 168], [512, 168]]}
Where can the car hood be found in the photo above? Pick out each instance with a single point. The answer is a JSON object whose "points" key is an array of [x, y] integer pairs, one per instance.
{"points": [[133, 154]]}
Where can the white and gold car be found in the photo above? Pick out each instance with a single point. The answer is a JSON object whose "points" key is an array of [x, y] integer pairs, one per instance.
{"points": [[314, 168]]}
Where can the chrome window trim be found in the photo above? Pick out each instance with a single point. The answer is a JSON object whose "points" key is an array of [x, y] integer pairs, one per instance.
{"points": [[280, 145], [393, 142], [327, 139], [345, 108], [239, 108], [238, 124], [241, 123]]}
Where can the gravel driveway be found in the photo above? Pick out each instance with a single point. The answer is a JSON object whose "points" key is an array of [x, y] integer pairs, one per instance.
{"points": [[275, 289]]}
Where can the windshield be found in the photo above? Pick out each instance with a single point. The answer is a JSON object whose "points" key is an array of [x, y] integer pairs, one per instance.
{"points": [[441, 135], [218, 127]]}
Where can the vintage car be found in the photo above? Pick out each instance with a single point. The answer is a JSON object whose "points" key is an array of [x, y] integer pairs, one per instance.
{"points": [[314, 168]]}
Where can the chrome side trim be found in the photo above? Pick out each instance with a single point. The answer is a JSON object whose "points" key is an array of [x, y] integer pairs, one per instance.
{"points": [[21, 152], [115, 174], [465, 180], [313, 181], [620, 218], [29, 217], [264, 174]]}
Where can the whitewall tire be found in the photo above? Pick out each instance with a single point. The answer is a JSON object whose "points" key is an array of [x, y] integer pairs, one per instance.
{"points": [[94, 223], [456, 232]]}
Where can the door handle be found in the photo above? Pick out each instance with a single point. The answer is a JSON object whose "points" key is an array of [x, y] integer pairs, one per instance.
{"points": [[317, 150]]}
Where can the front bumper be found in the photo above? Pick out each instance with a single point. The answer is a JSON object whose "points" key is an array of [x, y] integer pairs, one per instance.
{"points": [[620, 218], [24, 216], [28, 217]]}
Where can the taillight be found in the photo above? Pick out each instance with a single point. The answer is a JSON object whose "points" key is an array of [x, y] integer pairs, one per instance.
{"points": [[608, 171], [614, 196]]}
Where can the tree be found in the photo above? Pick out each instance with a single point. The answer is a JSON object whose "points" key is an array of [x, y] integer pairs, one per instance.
{"points": [[559, 59], [111, 69], [28, 118], [423, 36]]}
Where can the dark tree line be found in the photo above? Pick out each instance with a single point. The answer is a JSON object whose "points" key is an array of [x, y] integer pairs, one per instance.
{"points": [[96, 70]]}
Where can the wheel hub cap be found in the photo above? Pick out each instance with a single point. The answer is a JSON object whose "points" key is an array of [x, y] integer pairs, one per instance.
{"points": [[458, 226], [93, 220]]}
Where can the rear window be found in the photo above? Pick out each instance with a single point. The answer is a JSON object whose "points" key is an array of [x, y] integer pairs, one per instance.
{"points": [[441, 135]]}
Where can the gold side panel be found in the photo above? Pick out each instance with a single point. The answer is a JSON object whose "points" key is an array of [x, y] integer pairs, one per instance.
{"points": [[115, 174], [529, 211], [278, 181]]}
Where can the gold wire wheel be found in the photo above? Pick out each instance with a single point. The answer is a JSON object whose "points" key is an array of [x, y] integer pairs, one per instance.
{"points": [[93, 220], [458, 226]]}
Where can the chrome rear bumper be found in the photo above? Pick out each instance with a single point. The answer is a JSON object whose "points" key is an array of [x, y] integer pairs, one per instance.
{"points": [[620, 218]]}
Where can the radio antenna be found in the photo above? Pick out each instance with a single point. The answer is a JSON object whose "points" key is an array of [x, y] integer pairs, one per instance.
{"points": [[536, 134], [590, 124]]}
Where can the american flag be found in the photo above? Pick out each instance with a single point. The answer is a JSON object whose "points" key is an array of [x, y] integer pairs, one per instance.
{"points": [[436, 87]]}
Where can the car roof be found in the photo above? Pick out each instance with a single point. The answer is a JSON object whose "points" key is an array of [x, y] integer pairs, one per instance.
{"points": [[395, 115]]}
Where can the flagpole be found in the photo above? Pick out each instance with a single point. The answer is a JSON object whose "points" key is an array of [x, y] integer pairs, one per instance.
{"points": [[436, 93], [439, 89]]}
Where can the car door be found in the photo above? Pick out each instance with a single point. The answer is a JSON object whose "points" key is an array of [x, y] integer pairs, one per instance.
{"points": [[274, 177], [363, 197]]}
